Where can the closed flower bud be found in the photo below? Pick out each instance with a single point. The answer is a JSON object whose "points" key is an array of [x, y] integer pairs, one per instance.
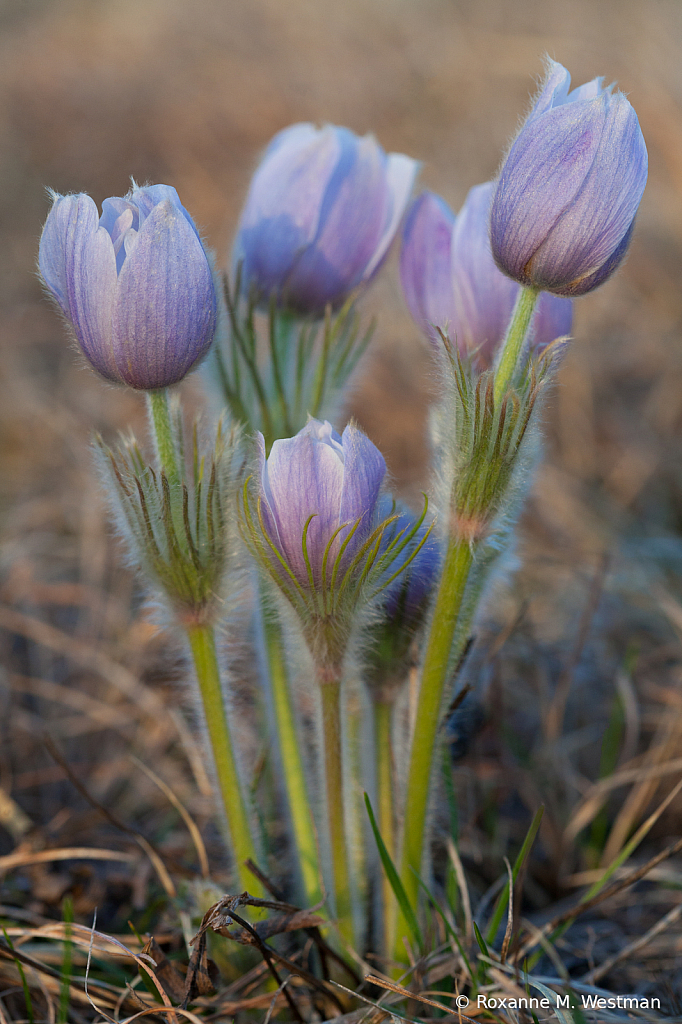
{"points": [[321, 213], [319, 494], [450, 280], [135, 284], [564, 207]]}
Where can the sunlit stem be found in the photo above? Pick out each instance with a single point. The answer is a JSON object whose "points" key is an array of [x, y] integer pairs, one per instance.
{"points": [[292, 764], [458, 562], [330, 691], [513, 342], [159, 414], [202, 643], [384, 768]]}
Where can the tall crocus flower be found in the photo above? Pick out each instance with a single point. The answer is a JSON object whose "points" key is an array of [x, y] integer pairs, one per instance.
{"points": [[564, 207], [323, 208], [450, 280], [135, 284]]}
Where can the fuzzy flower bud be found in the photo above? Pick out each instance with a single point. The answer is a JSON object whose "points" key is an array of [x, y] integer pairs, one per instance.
{"points": [[322, 210], [135, 284], [564, 207], [450, 279]]}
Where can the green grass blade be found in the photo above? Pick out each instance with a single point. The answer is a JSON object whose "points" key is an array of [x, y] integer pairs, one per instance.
{"points": [[67, 959], [394, 881], [24, 983], [503, 898], [450, 931]]}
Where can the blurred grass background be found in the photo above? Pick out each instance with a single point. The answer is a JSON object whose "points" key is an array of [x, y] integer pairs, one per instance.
{"points": [[93, 91]]}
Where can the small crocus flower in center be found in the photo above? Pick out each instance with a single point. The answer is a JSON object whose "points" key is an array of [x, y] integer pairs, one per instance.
{"points": [[319, 493], [135, 283]]}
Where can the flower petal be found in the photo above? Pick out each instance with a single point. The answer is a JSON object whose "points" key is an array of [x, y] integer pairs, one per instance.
{"points": [[165, 312], [401, 172], [425, 265], [364, 471]]}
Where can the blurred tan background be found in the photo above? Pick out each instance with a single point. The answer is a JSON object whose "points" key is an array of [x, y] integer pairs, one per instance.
{"points": [[93, 91]]}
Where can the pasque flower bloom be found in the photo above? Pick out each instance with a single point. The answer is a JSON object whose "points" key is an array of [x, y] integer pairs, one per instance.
{"points": [[322, 210], [564, 208], [135, 283], [333, 479], [451, 281]]}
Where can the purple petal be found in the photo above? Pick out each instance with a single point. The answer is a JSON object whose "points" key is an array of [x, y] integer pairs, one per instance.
{"points": [[352, 215], [425, 264], [553, 91], [53, 242], [484, 296], [165, 312], [540, 180], [401, 172], [90, 275], [304, 475], [282, 210], [364, 471], [600, 215]]}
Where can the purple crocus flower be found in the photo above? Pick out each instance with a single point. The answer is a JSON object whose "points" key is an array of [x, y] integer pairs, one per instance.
{"points": [[336, 479], [321, 213], [564, 207], [135, 284], [450, 279]]}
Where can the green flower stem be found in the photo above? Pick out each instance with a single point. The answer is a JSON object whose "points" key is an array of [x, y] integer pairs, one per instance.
{"points": [[384, 768], [159, 413], [292, 764], [458, 562], [202, 643], [513, 342], [330, 690]]}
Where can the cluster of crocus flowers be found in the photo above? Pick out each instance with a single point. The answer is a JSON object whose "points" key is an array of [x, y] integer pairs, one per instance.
{"points": [[369, 582]]}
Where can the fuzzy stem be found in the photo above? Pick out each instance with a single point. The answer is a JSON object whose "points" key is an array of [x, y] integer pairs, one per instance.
{"points": [[159, 414], [514, 339], [458, 562], [202, 643], [384, 767], [330, 691], [292, 764]]}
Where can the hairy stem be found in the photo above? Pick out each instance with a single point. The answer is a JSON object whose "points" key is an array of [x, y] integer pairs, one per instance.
{"points": [[330, 690], [384, 767], [513, 342], [202, 643], [458, 562], [159, 414], [292, 764]]}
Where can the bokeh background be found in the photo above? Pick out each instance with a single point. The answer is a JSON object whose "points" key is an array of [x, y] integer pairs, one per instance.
{"points": [[94, 91]]}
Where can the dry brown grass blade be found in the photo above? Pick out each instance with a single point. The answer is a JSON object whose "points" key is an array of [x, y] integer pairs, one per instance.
{"points": [[142, 841], [103, 714], [596, 796], [24, 857], [182, 811], [634, 946], [463, 890], [510, 914], [392, 986]]}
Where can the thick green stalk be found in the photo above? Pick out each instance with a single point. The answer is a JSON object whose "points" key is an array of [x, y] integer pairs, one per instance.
{"points": [[292, 764], [458, 561], [159, 413], [384, 768], [330, 690], [513, 342], [202, 643]]}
